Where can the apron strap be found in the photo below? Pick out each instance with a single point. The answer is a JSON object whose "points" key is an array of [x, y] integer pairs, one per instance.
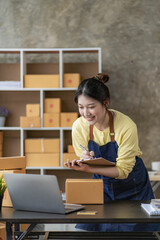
{"points": [[111, 127], [91, 132]]}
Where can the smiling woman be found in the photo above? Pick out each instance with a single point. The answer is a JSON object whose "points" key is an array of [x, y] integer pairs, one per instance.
{"points": [[112, 135]]}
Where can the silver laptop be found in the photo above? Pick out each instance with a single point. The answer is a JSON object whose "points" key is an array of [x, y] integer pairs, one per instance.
{"points": [[39, 193]]}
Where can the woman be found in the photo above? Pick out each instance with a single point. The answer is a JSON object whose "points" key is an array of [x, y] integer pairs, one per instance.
{"points": [[112, 135]]}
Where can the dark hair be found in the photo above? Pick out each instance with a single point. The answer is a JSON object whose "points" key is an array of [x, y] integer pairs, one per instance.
{"points": [[94, 87]]}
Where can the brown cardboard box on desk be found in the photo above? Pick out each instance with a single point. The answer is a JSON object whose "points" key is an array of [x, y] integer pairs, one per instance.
{"points": [[6, 199], [84, 191], [2, 231]]}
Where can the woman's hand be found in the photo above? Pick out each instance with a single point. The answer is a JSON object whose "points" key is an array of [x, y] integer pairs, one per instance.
{"points": [[78, 166], [86, 154]]}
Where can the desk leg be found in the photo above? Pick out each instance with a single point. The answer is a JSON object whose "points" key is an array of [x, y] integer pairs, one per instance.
{"points": [[26, 232], [9, 232], [157, 235], [155, 185]]}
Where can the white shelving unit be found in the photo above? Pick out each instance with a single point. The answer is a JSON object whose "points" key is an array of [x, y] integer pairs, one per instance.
{"points": [[15, 99]]}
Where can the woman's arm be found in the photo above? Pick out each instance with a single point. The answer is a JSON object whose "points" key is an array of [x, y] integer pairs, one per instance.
{"points": [[105, 171]]}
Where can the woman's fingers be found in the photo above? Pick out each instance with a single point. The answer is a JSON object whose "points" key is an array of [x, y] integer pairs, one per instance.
{"points": [[91, 153]]}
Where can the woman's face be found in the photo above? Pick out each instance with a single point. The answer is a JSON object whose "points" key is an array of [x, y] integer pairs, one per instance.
{"points": [[92, 110]]}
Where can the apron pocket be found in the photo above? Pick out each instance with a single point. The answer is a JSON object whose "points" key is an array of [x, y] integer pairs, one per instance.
{"points": [[125, 189]]}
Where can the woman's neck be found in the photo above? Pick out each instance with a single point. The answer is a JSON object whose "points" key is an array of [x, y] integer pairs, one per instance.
{"points": [[104, 123]]}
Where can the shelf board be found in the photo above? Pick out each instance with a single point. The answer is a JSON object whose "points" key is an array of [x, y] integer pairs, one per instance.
{"points": [[48, 50], [43, 129], [10, 128], [38, 89], [47, 168]]}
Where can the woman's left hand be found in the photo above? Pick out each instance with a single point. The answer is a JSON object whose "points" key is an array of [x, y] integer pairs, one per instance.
{"points": [[78, 166]]}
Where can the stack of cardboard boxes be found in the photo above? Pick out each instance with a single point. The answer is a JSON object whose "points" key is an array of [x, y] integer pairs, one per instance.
{"points": [[11, 165], [32, 118], [42, 152], [52, 109], [1, 144], [53, 117], [70, 80]]}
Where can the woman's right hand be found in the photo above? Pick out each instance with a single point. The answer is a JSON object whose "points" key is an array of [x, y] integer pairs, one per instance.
{"points": [[87, 154]]}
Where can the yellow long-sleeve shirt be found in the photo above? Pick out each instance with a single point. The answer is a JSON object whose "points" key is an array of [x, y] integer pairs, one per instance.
{"points": [[125, 136]]}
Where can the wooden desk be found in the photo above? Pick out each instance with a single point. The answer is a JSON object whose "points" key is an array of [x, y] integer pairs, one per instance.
{"points": [[111, 212]]}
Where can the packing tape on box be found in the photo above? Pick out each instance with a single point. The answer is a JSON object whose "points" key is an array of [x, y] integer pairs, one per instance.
{"points": [[42, 145]]}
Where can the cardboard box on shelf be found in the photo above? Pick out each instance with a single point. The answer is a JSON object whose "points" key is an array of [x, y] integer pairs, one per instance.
{"points": [[1, 137], [68, 118], [70, 156], [42, 145], [42, 160], [71, 80], [41, 81], [6, 198], [84, 191], [33, 110], [30, 122], [52, 105], [16, 162], [70, 149], [51, 120], [2, 231]]}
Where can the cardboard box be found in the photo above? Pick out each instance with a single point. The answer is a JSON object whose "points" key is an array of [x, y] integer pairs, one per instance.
{"points": [[33, 110], [2, 231], [71, 80], [42, 145], [12, 163], [30, 122], [6, 198], [51, 120], [1, 146], [1, 137], [1, 154], [41, 81], [42, 160], [70, 149], [84, 191], [68, 118], [70, 156], [52, 105]]}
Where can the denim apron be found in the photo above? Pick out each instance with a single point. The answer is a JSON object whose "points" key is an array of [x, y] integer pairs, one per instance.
{"points": [[136, 187]]}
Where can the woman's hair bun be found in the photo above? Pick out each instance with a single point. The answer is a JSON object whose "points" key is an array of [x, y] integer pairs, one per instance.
{"points": [[103, 77]]}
